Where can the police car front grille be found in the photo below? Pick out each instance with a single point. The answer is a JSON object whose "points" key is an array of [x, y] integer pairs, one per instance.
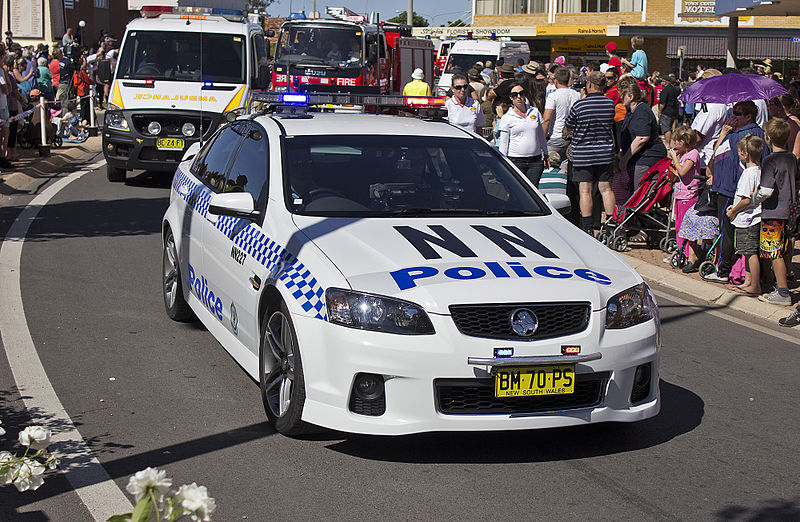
{"points": [[493, 321], [476, 397]]}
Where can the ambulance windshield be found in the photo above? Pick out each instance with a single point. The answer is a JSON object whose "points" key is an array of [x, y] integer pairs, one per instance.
{"points": [[188, 57]]}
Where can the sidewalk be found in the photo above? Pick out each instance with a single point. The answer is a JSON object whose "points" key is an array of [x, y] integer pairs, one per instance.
{"points": [[31, 168], [650, 266]]}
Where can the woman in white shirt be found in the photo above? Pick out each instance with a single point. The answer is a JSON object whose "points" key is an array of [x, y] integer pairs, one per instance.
{"points": [[522, 136], [463, 110]]}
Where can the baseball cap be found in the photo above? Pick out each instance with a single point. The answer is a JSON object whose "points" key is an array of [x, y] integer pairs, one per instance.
{"points": [[611, 47]]}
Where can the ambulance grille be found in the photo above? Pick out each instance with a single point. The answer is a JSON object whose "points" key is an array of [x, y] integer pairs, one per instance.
{"points": [[476, 397], [493, 321], [171, 125]]}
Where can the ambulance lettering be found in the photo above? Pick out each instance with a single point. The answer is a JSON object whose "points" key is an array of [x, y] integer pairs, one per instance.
{"points": [[175, 97], [199, 285]]}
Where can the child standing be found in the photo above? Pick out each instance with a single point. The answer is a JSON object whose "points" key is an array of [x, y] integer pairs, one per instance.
{"points": [[776, 193], [554, 180], [686, 162], [746, 216]]}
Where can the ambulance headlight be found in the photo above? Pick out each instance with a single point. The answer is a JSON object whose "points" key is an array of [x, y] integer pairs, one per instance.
{"points": [[188, 129], [631, 307], [375, 312], [154, 128], [115, 120]]}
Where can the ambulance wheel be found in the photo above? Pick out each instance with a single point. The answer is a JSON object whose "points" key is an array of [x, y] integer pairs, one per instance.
{"points": [[707, 268], [620, 243], [172, 285], [115, 175], [281, 373]]}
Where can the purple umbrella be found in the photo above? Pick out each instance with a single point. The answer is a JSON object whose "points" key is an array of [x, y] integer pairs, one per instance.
{"points": [[732, 88]]}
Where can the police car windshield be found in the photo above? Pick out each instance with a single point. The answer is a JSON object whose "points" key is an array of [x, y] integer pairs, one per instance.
{"points": [[178, 56], [305, 45], [461, 63], [386, 176]]}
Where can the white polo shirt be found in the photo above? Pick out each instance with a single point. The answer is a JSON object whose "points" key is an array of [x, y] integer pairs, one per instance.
{"points": [[468, 116], [522, 136]]}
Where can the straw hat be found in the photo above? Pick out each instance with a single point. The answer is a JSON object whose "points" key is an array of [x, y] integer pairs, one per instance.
{"points": [[530, 67]]}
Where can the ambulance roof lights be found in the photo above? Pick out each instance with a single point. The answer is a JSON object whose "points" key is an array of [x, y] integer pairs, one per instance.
{"points": [[154, 11], [190, 12]]}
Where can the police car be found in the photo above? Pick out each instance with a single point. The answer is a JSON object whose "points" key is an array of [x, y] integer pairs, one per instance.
{"points": [[387, 275]]}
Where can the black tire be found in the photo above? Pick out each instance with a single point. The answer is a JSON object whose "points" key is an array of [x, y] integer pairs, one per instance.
{"points": [[707, 268], [57, 142], [620, 243], [280, 367], [172, 284], [115, 175], [672, 245], [663, 243]]}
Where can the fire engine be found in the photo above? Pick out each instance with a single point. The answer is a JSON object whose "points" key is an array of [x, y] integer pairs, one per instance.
{"points": [[348, 53]]}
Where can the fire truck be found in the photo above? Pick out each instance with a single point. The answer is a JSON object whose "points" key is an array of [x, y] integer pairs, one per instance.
{"points": [[349, 54]]}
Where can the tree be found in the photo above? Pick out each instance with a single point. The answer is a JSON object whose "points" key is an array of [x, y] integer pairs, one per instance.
{"points": [[257, 6], [418, 21]]}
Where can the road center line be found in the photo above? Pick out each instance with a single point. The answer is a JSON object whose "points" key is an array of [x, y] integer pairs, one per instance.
{"points": [[722, 315], [91, 482]]}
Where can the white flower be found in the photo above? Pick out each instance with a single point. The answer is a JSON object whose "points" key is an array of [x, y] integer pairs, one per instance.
{"points": [[29, 475], [142, 481], [195, 501], [37, 437], [8, 476]]}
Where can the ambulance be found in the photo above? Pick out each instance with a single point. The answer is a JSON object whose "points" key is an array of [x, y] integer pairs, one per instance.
{"points": [[179, 70]]}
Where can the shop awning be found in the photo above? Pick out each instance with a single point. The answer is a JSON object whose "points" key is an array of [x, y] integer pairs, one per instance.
{"points": [[749, 48], [757, 8]]}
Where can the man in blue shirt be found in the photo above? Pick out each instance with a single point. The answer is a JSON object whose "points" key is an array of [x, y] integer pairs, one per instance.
{"points": [[725, 176]]}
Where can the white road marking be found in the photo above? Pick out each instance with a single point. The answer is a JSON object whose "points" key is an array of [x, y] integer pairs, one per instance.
{"points": [[738, 320], [91, 482]]}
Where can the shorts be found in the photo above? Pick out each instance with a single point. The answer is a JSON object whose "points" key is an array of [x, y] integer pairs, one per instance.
{"points": [[666, 123], [745, 240], [773, 240], [592, 173], [4, 115]]}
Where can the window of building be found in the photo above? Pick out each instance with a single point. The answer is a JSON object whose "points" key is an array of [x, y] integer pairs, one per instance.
{"points": [[505, 7], [599, 6], [101, 4], [69, 4]]}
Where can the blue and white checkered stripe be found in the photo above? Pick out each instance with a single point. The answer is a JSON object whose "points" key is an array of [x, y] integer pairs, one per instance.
{"points": [[299, 281]]}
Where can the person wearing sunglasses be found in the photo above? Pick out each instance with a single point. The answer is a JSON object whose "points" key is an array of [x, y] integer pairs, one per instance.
{"points": [[463, 110], [726, 169], [522, 136]]}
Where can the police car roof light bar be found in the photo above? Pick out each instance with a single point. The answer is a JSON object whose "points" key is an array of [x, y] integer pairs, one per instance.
{"points": [[378, 100]]}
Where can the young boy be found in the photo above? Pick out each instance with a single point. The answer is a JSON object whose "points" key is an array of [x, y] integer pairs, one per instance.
{"points": [[776, 193], [746, 217]]}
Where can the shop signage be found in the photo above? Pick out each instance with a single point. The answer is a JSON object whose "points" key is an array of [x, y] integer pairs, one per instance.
{"points": [[701, 12], [477, 31], [555, 30]]}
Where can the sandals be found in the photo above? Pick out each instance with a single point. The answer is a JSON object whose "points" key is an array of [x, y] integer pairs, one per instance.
{"points": [[740, 291]]}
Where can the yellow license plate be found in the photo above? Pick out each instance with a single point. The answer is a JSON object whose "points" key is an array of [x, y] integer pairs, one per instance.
{"points": [[169, 144], [553, 379]]}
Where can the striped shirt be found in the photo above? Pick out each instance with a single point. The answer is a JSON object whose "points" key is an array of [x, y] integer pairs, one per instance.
{"points": [[592, 121]]}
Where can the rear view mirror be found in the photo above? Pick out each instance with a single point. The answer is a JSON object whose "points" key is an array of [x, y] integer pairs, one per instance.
{"points": [[269, 33], [192, 151]]}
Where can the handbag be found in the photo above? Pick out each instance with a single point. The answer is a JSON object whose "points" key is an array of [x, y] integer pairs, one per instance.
{"points": [[706, 202]]}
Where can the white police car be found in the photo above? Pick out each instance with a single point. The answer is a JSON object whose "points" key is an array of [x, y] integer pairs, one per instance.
{"points": [[389, 275]]}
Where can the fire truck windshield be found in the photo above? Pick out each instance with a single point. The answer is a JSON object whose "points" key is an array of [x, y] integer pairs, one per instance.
{"points": [[325, 47]]}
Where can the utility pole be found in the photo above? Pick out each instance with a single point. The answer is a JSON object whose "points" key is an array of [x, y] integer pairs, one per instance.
{"points": [[410, 13]]}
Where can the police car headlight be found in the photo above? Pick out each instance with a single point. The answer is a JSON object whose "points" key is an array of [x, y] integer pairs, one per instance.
{"points": [[375, 312], [631, 307], [188, 129], [115, 120]]}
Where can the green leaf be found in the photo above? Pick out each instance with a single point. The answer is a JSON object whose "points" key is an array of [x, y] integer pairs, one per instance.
{"points": [[178, 513], [142, 510], [120, 518]]}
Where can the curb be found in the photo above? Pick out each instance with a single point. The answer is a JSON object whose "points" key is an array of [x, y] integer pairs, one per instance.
{"points": [[31, 168], [714, 293]]}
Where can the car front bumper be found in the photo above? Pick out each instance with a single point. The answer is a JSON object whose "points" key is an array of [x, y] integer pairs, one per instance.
{"points": [[415, 367]]}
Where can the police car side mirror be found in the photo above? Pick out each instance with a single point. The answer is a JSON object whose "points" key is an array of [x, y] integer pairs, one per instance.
{"points": [[269, 33], [233, 204], [560, 202], [192, 151]]}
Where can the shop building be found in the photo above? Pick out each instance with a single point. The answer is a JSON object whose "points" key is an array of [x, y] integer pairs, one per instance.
{"points": [[579, 29]]}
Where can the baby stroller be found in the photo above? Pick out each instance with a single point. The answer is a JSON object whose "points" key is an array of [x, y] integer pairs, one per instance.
{"points": [[29, 135], [647, 210]]}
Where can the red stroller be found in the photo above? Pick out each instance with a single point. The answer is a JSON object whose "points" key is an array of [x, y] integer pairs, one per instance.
{"points": [[648, 210]]}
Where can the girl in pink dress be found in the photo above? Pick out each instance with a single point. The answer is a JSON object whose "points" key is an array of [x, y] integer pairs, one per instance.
{"points": [[685, 160]]}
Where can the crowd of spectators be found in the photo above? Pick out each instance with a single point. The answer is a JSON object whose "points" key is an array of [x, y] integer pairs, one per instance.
{"points": [[607, 124]]}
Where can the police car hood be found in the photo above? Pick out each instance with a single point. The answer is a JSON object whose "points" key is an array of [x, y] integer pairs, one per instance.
{"points": [[439, 262]]}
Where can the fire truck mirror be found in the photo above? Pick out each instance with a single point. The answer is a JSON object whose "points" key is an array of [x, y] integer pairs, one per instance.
{"points": [[372, 57]]}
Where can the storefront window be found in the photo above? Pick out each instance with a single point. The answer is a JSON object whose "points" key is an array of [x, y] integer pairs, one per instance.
{"points": [[599, 6], [504, 7]]}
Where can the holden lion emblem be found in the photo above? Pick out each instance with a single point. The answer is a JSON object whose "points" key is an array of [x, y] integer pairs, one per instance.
{"points": [[524, 322]]}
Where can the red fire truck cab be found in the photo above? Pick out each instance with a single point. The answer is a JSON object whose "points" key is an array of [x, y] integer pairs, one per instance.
{"points": [[348, 54]]}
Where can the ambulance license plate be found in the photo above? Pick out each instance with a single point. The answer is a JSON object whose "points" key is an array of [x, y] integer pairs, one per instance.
{"points": [[169, 144], [551, 379]]}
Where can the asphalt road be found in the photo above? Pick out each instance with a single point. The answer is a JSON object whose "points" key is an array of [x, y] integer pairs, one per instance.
{"points": [[145, 391]]}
